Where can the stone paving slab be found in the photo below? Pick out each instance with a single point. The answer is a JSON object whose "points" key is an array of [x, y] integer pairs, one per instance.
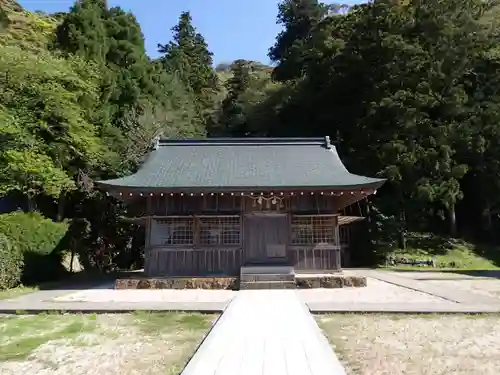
{"points": [[265, 332], [455, 295], [409, 308], [148, 295]]}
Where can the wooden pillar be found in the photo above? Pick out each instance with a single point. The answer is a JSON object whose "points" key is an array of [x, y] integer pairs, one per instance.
{"points": [[338, 252], [147, 244]]}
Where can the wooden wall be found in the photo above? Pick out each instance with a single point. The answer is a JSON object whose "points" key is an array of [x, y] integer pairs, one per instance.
{"points": [[194, 258], [314, 258], [161, 261]]}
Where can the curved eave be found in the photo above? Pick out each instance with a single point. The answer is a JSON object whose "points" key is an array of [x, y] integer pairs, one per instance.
{"points": [[118, 185]]}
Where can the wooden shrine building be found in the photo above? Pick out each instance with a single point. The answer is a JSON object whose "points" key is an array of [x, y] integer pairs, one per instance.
{"points": [[211, 206]]}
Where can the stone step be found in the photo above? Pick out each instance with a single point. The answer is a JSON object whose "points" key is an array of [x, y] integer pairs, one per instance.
{"points": [[283, 270], [266, 277], [267, 285]]}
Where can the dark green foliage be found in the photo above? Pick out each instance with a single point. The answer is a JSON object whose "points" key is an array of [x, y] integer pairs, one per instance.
{"points": [[292, 50], [408, 89], [83, 30], [32, 232], [105, 242], [11, 263], [188, 57], [37, 239], [233, 117], [4, 20], [248, 84]]}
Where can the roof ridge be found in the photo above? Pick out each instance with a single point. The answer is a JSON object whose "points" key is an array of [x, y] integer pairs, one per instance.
{"points": [[325, 141]]}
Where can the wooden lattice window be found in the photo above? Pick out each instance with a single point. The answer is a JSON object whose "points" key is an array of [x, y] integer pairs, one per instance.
{"points": [[175, 231], [220, 230], [312, 230]]}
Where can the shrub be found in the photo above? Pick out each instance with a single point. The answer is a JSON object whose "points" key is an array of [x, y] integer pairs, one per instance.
{"points": [[38, 240], [11, 263]]}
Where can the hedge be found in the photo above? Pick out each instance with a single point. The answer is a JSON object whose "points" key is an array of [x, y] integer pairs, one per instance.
{"points": [[11, 264], [38, 240]]}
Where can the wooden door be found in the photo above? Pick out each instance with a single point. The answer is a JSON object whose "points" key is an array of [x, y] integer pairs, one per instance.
{"points": [[265, 236]]}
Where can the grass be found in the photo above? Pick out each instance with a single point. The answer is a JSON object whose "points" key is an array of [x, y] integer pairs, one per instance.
{"points": [[181, 330], [22, 335], [390, 344], [16, 292], [153, 322], [449, 254], [125, 344]]}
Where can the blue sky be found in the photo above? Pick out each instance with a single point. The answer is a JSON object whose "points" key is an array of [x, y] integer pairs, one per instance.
{"points": [[232, 28]]}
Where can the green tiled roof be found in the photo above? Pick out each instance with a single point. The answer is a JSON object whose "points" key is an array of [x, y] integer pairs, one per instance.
{"points": [[242, 163]]}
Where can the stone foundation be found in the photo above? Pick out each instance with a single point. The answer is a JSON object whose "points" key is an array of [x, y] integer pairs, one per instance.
{"points": [[231, 283], [333, 281]]}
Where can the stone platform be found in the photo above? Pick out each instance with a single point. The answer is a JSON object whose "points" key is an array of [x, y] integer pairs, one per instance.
{"points": [[334, 280], [249, 279], [227, 283]]}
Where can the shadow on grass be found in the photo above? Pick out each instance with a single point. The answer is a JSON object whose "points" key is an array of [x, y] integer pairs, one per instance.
{"points": [[86, 280], [490, 252]]}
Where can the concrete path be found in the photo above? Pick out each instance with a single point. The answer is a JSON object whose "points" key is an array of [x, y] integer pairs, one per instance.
{"points": [[265, 332], [177, 300], [450, 294]]}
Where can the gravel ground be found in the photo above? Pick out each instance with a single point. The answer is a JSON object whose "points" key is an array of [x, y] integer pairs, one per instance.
{"points": [[375, 292], [118, 346], [415, 345], [158, 295]]}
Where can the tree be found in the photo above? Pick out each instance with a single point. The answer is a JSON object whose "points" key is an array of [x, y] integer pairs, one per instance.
{"points": [[83, 30], [292, 51], [187, 55], [48, 138], [395, 84], [233, 117]]}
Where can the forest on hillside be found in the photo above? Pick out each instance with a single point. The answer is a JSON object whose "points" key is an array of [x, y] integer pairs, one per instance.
{"points": [[407, 90]]}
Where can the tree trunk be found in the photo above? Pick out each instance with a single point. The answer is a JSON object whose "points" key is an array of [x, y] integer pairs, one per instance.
{"points": [[31, 203], [487, 226], [402, 229], [453, 221], [60, 206], [72, 259]]}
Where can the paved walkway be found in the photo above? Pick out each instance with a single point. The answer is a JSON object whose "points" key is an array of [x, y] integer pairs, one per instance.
{"points": [[46, 300], [101, 298], [268, 332], [450, 294]]}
